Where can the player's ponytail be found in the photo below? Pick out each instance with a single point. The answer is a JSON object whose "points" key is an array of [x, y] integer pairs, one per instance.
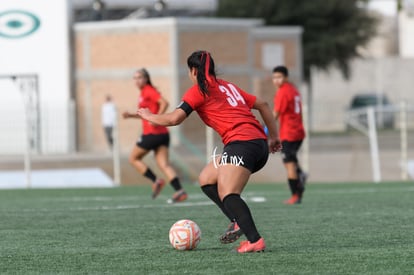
{"points": [[206, 74]]}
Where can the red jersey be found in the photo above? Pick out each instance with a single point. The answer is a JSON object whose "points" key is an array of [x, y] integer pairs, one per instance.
{"points": [[287, 103], [149, 99], [227, 109]]}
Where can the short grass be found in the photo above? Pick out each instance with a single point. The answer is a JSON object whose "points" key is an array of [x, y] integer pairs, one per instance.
{"points": [[339, 229]]}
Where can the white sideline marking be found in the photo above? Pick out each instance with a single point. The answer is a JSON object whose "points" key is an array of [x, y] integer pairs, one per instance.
{"points": [[258, 199], [249, 196], [364, 190], [119, 207], [125, 207]]}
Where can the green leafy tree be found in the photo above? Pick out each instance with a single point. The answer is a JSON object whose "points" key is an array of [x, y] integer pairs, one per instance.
{"points": [[333, 29]]}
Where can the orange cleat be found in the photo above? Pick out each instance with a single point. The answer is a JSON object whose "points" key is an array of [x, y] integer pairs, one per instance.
{"points": [[295, 199], [246, 246], [178, 196], [157, 187], [232, 233]]}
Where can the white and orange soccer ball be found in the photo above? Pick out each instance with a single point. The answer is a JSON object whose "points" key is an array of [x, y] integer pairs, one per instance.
{"points": [[185, 235]]}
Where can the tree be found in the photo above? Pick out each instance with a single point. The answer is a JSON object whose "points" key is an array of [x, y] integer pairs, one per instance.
{"points": [[333, 29]]}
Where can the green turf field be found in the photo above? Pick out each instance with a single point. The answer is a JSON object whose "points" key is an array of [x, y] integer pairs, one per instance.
{"points": [[339, 229]]}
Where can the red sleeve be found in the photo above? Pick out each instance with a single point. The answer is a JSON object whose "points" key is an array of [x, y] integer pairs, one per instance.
{"points": [[248, 98], [193, 97]]}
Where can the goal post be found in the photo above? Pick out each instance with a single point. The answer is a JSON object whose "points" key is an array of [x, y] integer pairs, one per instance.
{"points": [[365, 121], [373, 144], [27, 85], [404, 140]]}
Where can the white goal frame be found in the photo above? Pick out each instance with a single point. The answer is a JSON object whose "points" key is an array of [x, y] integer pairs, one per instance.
{"points": [[370, 130], [26, 84]]}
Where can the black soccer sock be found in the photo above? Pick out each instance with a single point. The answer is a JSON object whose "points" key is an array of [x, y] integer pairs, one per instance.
{"points": [[175, 183], [150, 175], [298, 169], [293, 185], [236, 205], [211, 192]]}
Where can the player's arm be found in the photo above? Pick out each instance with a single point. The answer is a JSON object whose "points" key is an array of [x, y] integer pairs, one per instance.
{"points": [[167, 119], [276, 118], [127, 114], [264, 110], [275, 115]]}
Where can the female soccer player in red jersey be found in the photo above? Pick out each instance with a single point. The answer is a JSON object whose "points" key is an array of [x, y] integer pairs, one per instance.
{"points": [[227, 109], [154, 137], [288, 112]]}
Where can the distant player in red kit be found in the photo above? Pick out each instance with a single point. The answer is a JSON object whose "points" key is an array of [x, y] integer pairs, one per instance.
{"points": [[154, 138], [227, 109], [288, 112]]}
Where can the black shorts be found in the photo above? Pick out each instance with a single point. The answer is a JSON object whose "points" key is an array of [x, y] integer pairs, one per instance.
{"points": [[251, 154], [152, 142], [290, 150]]}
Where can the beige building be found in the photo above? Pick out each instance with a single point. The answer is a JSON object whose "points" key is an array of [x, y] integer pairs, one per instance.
{"points": [[107, 54]]}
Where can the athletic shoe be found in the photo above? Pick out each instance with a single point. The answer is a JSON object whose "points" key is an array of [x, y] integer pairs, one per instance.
{"points": [[295, 199], [232, 233], [178, 196], [246, 246], [157, 187]]}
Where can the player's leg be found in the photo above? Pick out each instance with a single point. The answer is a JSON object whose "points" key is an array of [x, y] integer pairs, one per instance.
{"points": [[290, 163], [232, 180], [108, 135], [135, 159], [162, 159], [208, 183], [302, 176], [142, 148], [242, 159]]}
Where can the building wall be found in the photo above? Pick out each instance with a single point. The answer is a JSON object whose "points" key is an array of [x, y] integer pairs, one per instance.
{"points": [[285, 49], [35, 50], [107, 55]]}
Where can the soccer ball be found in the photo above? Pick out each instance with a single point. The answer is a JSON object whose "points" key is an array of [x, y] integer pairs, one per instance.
{"points": [[185, 235]]}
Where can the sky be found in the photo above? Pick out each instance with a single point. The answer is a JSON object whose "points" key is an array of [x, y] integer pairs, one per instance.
{"points": [[387, 7]]}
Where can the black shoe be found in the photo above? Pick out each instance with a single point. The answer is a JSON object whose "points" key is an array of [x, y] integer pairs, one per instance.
{"points": [[232, 233]]}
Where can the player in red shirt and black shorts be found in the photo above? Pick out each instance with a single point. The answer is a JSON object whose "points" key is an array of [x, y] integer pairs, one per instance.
{"points": [[154, 138], [226, 108], [288, 112]]}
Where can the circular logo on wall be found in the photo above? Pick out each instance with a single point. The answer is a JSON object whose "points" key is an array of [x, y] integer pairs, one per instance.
{"points": [[18, 23]]}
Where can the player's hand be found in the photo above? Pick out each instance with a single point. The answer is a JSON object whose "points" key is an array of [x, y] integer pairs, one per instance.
{"points": [[144, 113], [274, 145], [125, 115]]}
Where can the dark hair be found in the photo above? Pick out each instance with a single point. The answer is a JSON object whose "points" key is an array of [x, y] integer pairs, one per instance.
{"points": [[281, 69], [202, 61], [146, 75]]}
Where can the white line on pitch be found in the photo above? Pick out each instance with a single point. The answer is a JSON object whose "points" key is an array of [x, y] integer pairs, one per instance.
{"points": [[125, 207]]}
